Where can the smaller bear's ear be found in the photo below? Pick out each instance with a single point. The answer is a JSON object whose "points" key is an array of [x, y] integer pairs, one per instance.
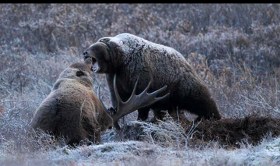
{"points": [[79, 73], [104, 39]]}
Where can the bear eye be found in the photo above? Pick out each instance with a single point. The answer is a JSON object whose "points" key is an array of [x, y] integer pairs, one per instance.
{"points": [[80, 73]]}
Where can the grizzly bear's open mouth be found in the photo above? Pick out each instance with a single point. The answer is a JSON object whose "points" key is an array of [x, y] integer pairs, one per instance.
{"points": [[95, 66]]}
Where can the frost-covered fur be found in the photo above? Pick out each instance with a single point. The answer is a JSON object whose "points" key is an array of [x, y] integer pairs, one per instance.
{"points": [[129, 57], [72, 110]]}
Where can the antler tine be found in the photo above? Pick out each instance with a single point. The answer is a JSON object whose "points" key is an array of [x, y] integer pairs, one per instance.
{"points": [[156, 92], [116, 89], [119, 99], [133, 91], [135, 101], [148, 86]]}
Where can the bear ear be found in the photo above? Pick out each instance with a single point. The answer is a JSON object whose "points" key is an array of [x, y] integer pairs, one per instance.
{"points": [[80, 73], [104, 39]]}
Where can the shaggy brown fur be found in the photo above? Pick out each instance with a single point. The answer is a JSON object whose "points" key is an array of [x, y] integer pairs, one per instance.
{"points": [[72, 110], [130, 57], [231, 132]]}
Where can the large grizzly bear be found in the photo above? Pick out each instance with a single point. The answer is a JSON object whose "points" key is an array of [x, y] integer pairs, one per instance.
{"points": [[129, 57]]}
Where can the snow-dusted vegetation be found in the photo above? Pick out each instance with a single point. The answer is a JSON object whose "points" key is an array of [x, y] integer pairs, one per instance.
{"points": [[233, 47]]}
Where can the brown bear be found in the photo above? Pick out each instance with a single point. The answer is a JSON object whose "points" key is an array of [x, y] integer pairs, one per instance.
{"points": [[72, 110], [128, 57]]}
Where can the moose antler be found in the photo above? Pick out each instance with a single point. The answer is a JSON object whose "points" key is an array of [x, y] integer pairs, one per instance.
{"points": [[134, 102]]}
